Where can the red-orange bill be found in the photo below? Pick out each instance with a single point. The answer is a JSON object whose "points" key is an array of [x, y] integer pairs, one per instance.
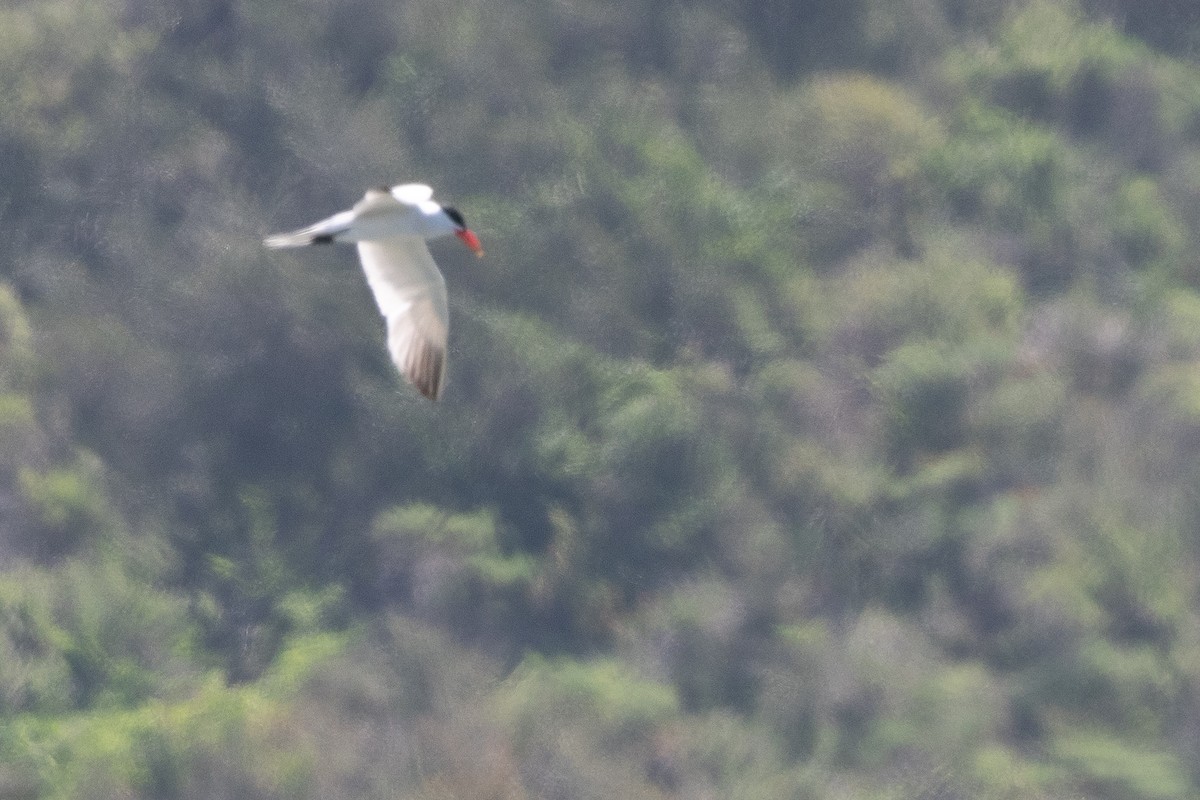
{"points": [[471, 241]]}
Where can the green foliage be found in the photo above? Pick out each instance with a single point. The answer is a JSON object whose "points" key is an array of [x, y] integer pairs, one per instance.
{"points": [[1001, 169], [16, 341], [89, 635], [865, 139], [1053, 64], [453, 567], [820, 425], [35, 672], [69, 506], [1119, 770], [621, 707], [924, 394], [948, 296], [1146, 228]]}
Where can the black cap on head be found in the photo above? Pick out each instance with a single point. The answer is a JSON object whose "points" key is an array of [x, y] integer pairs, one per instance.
{"points": [[456, 215]]}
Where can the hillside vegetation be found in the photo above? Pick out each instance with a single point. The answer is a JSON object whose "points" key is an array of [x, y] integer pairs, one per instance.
{"points": [[823, 423]]}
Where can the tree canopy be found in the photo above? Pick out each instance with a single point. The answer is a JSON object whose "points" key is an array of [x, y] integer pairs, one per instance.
{"points": [[820, 424]]}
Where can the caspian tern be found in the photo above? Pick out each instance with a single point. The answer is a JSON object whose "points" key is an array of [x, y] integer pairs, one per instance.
{"points": [[390, 227]]}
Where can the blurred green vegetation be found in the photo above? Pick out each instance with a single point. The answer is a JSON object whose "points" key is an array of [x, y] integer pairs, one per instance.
{"points": [[822, 424]]}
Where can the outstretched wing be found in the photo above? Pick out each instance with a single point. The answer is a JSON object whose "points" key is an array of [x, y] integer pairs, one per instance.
{"points": [[411, 295]]}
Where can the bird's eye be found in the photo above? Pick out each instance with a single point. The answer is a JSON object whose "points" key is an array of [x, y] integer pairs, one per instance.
{"points": [[456, 215]]}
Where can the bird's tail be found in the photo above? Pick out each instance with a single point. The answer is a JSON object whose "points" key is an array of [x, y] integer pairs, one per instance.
{"points": [[296, 239], [322, 232]]}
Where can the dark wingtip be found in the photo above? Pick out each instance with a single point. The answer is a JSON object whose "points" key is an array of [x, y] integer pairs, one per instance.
{"points": [[434, 388], [428, 376], [325, 238]]}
